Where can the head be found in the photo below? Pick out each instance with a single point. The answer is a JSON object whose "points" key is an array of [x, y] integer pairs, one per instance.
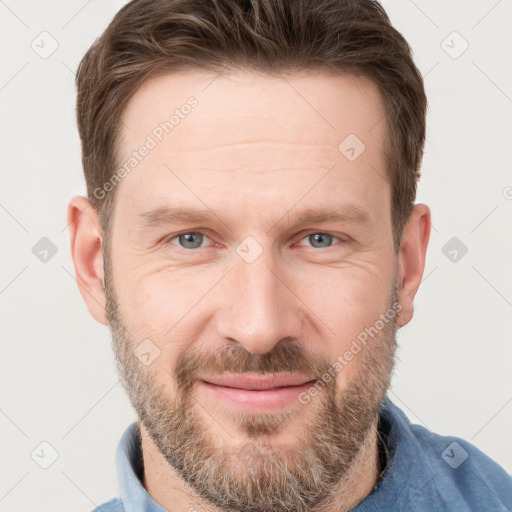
{"points": [[251, 170]]}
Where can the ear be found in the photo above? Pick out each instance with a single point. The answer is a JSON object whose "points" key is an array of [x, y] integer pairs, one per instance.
{"points": [[87, 253], [412, 260]]}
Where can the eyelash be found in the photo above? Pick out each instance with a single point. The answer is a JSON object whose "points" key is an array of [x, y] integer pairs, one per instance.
{"points": [[167, 241]]}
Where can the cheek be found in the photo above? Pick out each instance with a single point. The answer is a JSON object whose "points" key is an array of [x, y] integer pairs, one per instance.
{"points": [[160, 306], [348, 300]]}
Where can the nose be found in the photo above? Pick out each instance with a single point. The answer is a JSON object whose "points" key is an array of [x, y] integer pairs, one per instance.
{"points": [[260, 306]]}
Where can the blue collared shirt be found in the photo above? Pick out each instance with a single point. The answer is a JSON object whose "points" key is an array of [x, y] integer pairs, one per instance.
{"points": [[426, 472]]}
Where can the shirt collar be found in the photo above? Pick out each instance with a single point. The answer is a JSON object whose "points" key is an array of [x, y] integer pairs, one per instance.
{"points": [[407, 471], [130, 467]]}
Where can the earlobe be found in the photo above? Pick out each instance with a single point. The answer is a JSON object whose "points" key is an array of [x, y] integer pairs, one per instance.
{"points": [[87, 252], [411, 263]]}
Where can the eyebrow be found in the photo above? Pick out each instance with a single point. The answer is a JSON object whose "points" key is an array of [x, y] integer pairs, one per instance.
{"points": [[169, 215], [172, 215], [349, 213]]}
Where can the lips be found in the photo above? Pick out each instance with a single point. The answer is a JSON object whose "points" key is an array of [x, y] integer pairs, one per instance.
{"points": [[259, 382], [256, 393]]}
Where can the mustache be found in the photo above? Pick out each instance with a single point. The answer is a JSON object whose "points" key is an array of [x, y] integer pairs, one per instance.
{"points": [[285, 357]]}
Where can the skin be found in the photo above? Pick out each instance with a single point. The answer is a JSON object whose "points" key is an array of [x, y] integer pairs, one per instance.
{"points": [[255, 152]]}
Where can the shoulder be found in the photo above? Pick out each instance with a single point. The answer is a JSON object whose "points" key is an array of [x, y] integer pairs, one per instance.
{"points": [[428, 471], [113, 505], [463, 474]]}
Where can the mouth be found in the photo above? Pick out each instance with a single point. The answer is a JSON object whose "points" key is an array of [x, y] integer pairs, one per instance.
{"points": [[253, 393]]}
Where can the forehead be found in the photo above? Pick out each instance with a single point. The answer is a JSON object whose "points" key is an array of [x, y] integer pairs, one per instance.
{"points": [[233, 106], [259, 136]]}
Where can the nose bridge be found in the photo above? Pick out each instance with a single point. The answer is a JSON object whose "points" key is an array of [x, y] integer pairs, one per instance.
{"points": [[259, 309]]}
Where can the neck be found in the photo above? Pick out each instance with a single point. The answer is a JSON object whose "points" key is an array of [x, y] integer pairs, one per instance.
{"points": [[359, 481], [171, 492]]}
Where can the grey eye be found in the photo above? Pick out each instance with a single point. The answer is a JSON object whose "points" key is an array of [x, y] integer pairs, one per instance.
{"points": [[320, 240], [190, 240]]}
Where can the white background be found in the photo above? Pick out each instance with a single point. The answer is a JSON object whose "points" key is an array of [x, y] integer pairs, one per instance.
{"points": [[58, 381]]}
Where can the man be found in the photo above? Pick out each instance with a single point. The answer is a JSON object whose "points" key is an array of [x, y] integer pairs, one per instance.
{"points": [[250, 236]]}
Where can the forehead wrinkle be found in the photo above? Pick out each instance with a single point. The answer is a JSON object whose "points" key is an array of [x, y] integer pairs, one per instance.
{"points": [[250, 144], [253, 159]]}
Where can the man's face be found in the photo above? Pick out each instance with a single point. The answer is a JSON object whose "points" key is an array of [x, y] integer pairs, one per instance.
{"points": [[249, 290]]}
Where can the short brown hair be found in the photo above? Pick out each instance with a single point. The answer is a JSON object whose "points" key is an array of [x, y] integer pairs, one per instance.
{"points": [[147, 37]]}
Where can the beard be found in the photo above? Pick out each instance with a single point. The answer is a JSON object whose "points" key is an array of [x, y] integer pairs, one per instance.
{"points": [[258, 470]]}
